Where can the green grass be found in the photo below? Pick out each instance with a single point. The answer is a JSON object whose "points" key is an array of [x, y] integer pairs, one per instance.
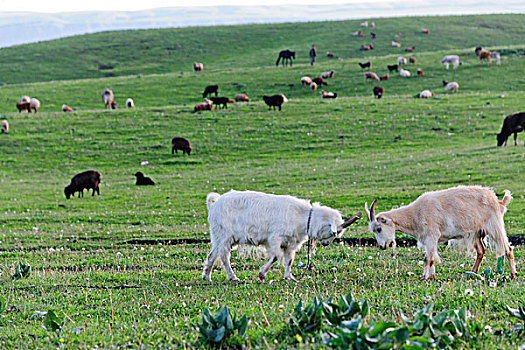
{"points": [[341, 153]]}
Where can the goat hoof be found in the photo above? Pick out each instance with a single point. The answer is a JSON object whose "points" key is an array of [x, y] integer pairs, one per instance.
{"points": [[262, 277]]}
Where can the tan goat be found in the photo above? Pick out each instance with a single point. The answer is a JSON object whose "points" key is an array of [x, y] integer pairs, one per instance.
{"points": [[468, 213]]}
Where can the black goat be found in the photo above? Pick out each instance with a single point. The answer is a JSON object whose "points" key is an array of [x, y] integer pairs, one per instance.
{"points": [[393, 67], [143, 180], [210, 89], [274, 101], [85, 180], [512, 124]]}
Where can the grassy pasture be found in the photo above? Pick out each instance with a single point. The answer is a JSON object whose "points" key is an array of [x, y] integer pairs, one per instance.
{"points": [[341, 153]]}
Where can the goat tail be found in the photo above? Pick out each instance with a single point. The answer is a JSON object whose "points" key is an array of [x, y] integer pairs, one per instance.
{"points": [[507, 198], [211, 198]]}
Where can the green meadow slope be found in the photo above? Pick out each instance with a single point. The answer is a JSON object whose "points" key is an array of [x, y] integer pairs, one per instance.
{"points": [[107, 264]]}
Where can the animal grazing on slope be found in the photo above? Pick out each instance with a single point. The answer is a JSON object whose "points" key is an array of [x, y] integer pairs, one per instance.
{"points": [[452, 86], [512, 124], [397, 36], [396, 44], [23, 106], [198, 67], [487, 55], [326, 75], [130, 103], [287, 56], [275, 101], [180, 143], [282, 224], [35, 104], [66, 108], [373, 35], [393, 67], [425, 31], [221, 101], [468, 213], [319, 81], [207, 105], [365, 65], [378, 91], [210, 89], [367, 47], [412, 60], [25, 98], [329, 54], [325, 94], [364, 24], [404, 73], [401, 60], [426, 94], [450, 59], [107, 98], [89, 179], [419, 72], [358, 33], [143, 180], [410, 49], [306, 81], [5, 126], [370, 75], [242, 98], [384, 77], [313, 86]]}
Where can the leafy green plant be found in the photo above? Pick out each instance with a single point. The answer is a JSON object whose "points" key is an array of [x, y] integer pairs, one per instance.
{"points": [[305, 320], [22, 270], [52, 322], [216, 329]]}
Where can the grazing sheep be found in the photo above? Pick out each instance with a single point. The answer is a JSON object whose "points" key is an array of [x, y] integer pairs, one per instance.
{"points": [[207, 105], [66, 108], [453, 86], [242, 98], [89, 179], [401, 60], [397, 36], [396, 44], [329, 54], [419, 72], [425, 31], [393, 67], [25, 99], [319, 81], [404, 73], [326, 75], [143, 180], [372, 25], [451, 59], [373, 35], [412, 60], [275, 101], [358, 33], [512, 124], [325, 94], [313, 86], [487, 55], [23, 106], [198, 67], [218, 101], [107, 98], [410, 49], [282, 224], [306, 81], [180, 143], [378, 91], [35, 104], [5, 126], [130, 103], [367, 47], [365, 65], [468, 213], [426, 94], [210, 89], [364, 24], [384, 77], [370, 75]]}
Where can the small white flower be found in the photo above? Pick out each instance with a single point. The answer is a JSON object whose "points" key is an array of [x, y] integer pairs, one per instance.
{"points": [[488, 329], [493, 284], [468, 292]]}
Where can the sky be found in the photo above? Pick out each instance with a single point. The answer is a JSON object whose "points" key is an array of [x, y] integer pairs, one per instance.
{"points": [[55, 6]]}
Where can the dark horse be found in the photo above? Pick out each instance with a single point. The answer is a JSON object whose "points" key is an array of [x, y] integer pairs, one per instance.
{"points": [[286, 55]]}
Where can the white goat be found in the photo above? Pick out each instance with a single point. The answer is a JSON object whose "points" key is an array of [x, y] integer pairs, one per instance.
{"points": [[130, 103], [468, 213], [396, 44], [401, 60], [426, 94], [5, 126], [404, 73], [451, 59], [280, 223], [35, 104]]}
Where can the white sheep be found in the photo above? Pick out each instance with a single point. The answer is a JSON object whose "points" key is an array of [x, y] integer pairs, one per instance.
{"points": [[426, 94], [35, 104], [452, 86], [326, 75], [396, 44], [404, 73], [401, 60], [5, 126], [130, 103], [306, 81], [280, 223], [451, 59], [468, 213]]}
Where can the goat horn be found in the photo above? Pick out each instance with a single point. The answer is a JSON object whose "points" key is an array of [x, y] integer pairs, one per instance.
{"points": [[372, 209], [350, 220]]}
